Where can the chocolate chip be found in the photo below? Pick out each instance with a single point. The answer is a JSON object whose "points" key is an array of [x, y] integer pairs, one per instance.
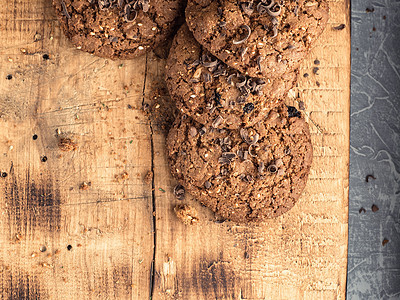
{"points": [[9, 77], [46, 56], [301, 105], [43, 158], [4, 174], [374, 208], [305, 75], [293, 112], [315, 70], [316, 62], [35, 137], [248, 108]]}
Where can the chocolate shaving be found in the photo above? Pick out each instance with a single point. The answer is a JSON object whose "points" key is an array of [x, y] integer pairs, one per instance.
{"points": [[210, 64], [207, 77], [246, 36], [275, 31], [261, 167], [251, 140], [275, 10], [296, 10], [246, 178], [242, 81], [272, 168], [217, 121], [65, 11], [368, 177], [179, 192], [339, 27], [264, 6], [259, 60], [202, 131], [129, 13], [226, 158], [243, 52], [229, 79], [248, 8], [249, 151], [207, 185]]}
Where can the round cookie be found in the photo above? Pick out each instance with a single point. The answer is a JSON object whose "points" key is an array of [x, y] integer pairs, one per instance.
{"points": [[118, 28], [212, 93], [261, 38], [248, 174]]}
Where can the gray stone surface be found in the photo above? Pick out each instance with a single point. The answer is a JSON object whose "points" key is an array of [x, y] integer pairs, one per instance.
{"points": [[373, 269]]}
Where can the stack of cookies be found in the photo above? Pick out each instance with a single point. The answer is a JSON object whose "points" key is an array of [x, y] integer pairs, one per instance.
{"points": [[237, 147]]}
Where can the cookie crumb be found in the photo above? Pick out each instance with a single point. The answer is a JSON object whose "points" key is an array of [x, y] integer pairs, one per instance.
{"points": [[186, 214], [148, 178], [85, 186], [122, 177], [384, 242], [374, 208], [67, 144], [362, 209]]}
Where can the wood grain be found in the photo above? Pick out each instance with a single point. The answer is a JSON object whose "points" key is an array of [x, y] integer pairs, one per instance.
{"points": [[123, 238]]}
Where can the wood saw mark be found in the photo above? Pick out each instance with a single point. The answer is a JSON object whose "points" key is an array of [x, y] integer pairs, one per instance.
{"points": [[21, 286], [217, 276], [32, 201]]}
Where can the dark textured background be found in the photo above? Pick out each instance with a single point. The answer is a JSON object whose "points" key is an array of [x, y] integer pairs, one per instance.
{"points": [[373, 269]]}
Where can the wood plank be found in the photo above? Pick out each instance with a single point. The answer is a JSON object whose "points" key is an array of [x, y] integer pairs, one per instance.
{"points": [[126, 241], [301, 255], [109, 226]]}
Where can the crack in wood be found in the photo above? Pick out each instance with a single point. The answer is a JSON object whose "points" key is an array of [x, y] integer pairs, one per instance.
{"points": [[153, 229]]}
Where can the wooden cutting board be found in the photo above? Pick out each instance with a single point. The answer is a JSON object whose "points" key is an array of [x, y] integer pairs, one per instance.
{"points": [[119, 238]]}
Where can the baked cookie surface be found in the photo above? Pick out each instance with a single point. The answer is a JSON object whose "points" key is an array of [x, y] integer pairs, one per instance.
{"points": [[260, 38], [248, 174], [209, 91], [119, 28]]}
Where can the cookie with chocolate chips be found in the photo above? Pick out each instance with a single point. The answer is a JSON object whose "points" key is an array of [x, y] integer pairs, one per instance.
{"points": [[212, 93], [247, 174], [260, 38], [119, 28]]}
